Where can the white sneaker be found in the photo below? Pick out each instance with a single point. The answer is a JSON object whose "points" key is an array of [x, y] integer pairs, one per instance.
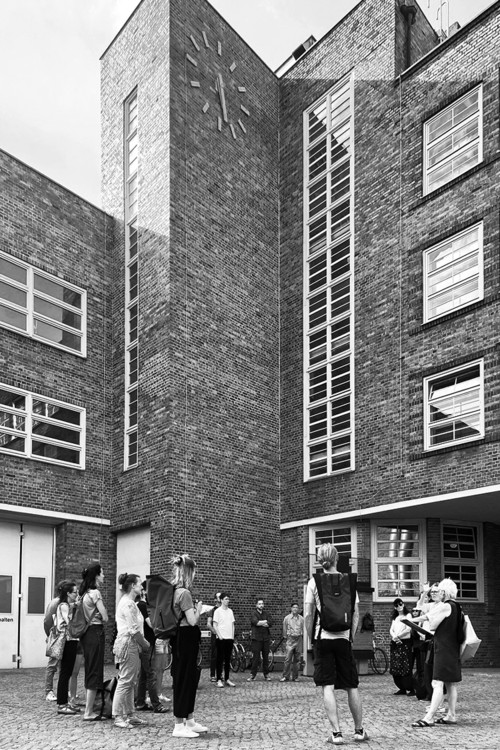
{"points": [[360, 736], [231, 684], [220, 683], [164, 698], [199, 728], [50, 696], [336, 738], [181, 730]]}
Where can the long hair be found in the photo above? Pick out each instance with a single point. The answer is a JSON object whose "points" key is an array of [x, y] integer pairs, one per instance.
{"points": [[328, 556], [183, 570], [88, 578], [65, 588], [395, 612]]}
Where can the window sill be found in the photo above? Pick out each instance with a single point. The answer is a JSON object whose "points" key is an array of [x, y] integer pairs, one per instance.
{"points": [[493, 437], [453, 314]]}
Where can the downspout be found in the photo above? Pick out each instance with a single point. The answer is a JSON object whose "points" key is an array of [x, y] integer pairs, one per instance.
{"points": [[409, 12]]}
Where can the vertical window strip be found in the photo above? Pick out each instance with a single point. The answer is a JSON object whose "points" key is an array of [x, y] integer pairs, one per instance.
{"points": [[131, 158], [328, 285]]}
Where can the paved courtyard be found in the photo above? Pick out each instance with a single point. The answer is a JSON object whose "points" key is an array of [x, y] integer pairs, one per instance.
{"points": [[254, 716]]}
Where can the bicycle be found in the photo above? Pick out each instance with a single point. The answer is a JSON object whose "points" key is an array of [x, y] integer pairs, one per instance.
{"points": [[378, 663], [238, 656], [168, 654]]}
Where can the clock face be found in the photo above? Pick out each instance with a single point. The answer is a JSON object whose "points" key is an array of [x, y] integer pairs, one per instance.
{"points": [[214, 77]]}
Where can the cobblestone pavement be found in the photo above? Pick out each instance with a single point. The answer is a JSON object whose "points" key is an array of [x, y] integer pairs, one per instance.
{"points": [[255, 716]]}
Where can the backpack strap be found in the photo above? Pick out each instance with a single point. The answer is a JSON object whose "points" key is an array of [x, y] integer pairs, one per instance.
{"points": [[319, 589]]}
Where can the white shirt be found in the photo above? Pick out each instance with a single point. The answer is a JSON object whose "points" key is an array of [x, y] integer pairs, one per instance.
{"points": [[224, 619], [312, 597]]}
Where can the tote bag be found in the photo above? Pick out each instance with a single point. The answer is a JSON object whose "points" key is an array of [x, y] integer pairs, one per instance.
{"points": [[56, 642], [471, 643]]}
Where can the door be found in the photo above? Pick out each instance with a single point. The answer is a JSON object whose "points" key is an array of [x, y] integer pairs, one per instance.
{"points": [[26, 584]]}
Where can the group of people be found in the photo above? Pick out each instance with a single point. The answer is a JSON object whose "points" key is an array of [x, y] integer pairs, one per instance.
{"points": [[334, 663], [436, 656]]}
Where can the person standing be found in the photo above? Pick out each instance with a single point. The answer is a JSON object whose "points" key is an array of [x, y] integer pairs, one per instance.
{"points": [[147, 674], [293, 631], [67, 597], [213, 639], [401, 649], [93, 639], [223, 623], [185, 646], [334, 665], [261, 640], [53, 662], [127, 647], [443, 618]]}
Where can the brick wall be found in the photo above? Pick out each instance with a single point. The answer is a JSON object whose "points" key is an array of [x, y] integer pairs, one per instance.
{"points": [[208, 418]]}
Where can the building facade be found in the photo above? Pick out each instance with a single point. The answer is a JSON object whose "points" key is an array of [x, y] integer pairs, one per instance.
{"points": [[281, 330]]}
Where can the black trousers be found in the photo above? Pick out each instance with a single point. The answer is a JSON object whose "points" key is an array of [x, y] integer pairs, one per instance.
{"points": [[258, 648], [67, 664], [213, 654], [185, 671], [224, 649]]}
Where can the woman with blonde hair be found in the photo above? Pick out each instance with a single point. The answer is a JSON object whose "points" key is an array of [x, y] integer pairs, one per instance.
{"points": [[185, 646], [443, 619]]}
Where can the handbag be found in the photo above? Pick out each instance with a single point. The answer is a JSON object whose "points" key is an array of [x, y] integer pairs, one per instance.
{"points": [[471, 643], [56, 642]]}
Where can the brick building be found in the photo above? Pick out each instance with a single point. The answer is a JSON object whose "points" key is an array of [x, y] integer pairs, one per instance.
{"points": [[281, 330]]}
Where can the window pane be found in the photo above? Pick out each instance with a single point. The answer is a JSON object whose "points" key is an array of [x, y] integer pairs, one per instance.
{"points": [[10, 442], [317, 122], [317, 159], [317, 384], [36, 596], [398, 541], [318, 459], [318, 422], [55, 432], [59, 314], [341, 413], [12, 294], [317, 272], [12, 270], [58, 291], [12, 421], [132, 452], [466, 578], [341, 538], [317, 347], [56, 411], [57, 335], [318, 309], [14, 400], [13, 318], [55, 452], [398, 580], [460, 542], [6, 594], [341, 453]]}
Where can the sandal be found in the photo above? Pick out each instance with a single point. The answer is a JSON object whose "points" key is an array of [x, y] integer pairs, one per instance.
{"points": [[422, 723], [67, 711], [442, 720]]}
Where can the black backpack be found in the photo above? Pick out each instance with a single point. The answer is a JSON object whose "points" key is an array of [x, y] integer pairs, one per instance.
{"points": [[104, 698], [337, 595], [160, 594]]}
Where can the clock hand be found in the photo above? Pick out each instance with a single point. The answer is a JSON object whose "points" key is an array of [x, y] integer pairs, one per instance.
{"points": [[219, 85]]}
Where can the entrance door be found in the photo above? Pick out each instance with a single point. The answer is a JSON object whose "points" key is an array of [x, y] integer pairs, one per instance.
{"points": [[26, 565]]}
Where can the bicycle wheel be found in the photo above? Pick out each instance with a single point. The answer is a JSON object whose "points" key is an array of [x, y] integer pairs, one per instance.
{"points": [[242, 655], [168, 661], [271, 658], [379, 661], [234, 661]]}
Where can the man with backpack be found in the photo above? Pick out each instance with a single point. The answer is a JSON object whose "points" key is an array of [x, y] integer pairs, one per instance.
{"points": [[331, 618]]}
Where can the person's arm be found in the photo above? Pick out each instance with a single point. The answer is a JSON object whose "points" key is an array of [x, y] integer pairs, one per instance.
{"points": [[254, 619], [355, 619], [210, 622], [285, 626], [215, 624], [102, 609], [309, 618]]}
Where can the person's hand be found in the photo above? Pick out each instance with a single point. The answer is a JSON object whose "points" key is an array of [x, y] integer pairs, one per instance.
{"points": [[426, 587], [199, 605]]}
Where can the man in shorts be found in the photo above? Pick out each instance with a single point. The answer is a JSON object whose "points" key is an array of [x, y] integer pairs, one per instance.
{"points": [[334, 665]]}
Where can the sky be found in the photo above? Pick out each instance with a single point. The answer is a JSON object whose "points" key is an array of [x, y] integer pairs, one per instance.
{"points": [[49, 63]]}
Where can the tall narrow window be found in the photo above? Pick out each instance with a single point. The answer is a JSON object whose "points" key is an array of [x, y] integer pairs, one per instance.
{"points": [[398, 566], [131, 159], [453, 140], [453, 273], [328, 250]]}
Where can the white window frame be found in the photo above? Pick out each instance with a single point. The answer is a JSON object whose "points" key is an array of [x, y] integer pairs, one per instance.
{"points": [[131, 195], [420, 561], [33, 317], [427, 403], [477, 250], [477, 563], [27, 414], [428, 170], [341, 436], [313, 530]]}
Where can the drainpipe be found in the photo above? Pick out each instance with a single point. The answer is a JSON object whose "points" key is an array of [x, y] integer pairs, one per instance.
{"points": [[409, 12]]}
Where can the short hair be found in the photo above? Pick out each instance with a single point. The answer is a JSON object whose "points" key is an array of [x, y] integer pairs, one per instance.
{"points": [[327, 556], [294, 604], [259, 599], [223, 595], [449, 587]]}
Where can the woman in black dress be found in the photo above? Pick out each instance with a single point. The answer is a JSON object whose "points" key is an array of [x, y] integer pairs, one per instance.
{"points": [[401, 650], [443, 618]]}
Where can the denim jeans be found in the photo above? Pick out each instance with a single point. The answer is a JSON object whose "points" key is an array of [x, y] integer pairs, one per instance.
{"points": [[50, 671], [123, 701], [147, 680]]}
